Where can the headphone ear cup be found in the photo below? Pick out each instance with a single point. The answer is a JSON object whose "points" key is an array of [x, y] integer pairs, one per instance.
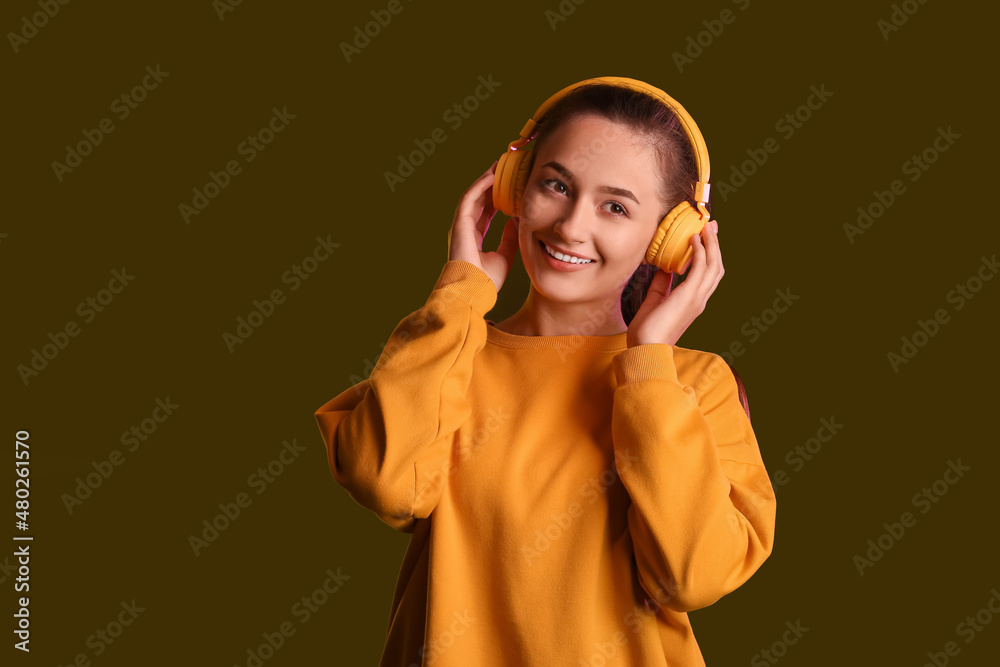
{"points": [[505, 183], [501, 201], [521, 171], [671, 246]]}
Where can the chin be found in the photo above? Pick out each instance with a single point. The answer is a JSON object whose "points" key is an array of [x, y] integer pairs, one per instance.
{"points": [[562, 287]]}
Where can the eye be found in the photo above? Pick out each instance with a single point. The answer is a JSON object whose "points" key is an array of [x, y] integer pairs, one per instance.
{"points": [[557, 183], [620, 212], [554, 185]]}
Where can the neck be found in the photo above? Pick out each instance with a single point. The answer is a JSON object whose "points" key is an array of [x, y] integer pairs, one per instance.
{"points": [[540, 316]]}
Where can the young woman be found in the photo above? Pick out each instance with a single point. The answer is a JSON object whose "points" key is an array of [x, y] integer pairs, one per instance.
{"points": [[573, 480]]}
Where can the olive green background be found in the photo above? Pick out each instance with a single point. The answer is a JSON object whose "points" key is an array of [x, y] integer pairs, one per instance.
{"points": [[323, 176]]}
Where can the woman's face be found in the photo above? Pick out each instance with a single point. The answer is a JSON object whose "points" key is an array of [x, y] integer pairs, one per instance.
{"points": [[592, 193]]}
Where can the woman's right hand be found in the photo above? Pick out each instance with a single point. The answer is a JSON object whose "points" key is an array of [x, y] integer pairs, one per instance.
{"points": [[472, 220]]}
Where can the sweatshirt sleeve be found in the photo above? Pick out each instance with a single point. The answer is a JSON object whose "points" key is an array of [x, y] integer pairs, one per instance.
{"points": [[388, 438], [702, 507]]}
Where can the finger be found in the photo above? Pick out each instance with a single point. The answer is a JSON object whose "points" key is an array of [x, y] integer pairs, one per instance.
{"points": [[713, 255], [699, 280], [487, 214], [655, 294], [710, 244], [470, 206], [491, 171], [485, 180], [710, 269], [697, 270], [508, 242], [658, 286]]}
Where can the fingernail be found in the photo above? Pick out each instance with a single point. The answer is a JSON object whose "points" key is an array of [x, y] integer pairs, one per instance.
{"points": [[715, 227]]}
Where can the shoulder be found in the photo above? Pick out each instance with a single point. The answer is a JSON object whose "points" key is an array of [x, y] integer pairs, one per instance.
{"points": [[709, 374]]}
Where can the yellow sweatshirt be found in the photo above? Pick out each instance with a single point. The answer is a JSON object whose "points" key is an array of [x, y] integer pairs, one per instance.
{"points": [[570, 499]]}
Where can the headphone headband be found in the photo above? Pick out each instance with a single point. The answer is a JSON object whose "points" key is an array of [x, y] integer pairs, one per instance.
{"points": [[690, 127]]}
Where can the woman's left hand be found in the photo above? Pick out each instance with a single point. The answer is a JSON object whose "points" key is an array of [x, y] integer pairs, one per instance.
{"points": [[663, 318]]}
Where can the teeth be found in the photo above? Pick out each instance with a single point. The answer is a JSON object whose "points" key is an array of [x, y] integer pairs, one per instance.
{"points": [[565, 258]]}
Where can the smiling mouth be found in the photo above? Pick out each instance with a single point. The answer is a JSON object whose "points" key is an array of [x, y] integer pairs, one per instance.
{"points": [[562, 257]]}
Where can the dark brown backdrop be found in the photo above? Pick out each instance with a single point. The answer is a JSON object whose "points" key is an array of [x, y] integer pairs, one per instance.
{"points": [[221, 76]]}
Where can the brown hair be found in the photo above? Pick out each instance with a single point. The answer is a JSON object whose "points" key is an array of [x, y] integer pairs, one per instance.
{"points": [[654, 121]]}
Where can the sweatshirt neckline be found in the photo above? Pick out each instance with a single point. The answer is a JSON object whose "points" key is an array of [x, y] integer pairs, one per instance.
{"points": [[613, 343]]}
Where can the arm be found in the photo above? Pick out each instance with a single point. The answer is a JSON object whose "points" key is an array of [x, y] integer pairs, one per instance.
{"points": [[703, 509], [388, 438]]}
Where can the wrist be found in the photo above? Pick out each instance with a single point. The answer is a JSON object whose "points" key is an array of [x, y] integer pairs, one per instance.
{"points": [[645, 362], [637, 340]]}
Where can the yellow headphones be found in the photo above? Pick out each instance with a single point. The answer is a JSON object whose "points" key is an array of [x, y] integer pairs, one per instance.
{"points": [[670, 249]]}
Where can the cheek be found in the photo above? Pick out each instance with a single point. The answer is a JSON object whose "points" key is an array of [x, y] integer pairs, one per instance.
{"points": [[526, 237], [625, 252], [535, 203], [645, 238], [626, 246]]}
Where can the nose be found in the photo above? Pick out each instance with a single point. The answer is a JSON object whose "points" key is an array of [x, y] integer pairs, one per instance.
{"points": [[573, 225]]}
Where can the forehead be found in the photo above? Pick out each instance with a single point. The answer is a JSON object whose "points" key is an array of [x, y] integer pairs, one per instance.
{"points": [[592, 147]]}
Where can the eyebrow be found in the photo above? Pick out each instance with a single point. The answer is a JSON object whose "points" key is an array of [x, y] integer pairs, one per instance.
{"points": [[621, 192]]}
